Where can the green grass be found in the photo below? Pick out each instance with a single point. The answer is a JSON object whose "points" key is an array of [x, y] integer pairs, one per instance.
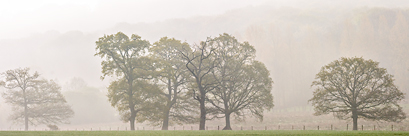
{"points": [[198, 133]]}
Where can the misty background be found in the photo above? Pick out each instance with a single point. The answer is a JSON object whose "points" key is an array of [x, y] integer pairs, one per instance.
{"points": [[293, 38]]}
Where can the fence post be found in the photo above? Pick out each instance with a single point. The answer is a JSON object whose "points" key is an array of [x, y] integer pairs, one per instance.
{"points": [[303, 128], [278, 127], [191, 127], [392, 127], [362, 127], [241, 128], [318, 127], [374, 127], [347, 127], [218, 127], [331, 126], [251, 127]]}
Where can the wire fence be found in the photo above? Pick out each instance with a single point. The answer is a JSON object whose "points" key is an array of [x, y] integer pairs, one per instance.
{"points": [[346, 127]]}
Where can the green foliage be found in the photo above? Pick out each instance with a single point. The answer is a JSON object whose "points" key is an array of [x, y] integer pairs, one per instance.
{"points": [[145, 96], [356, 85], [121, 55]]}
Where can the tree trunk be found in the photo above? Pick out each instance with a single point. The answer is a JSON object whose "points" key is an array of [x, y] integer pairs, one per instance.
{"points": [[355, 119], [132, 121], [25, 117], [202, 115], [131, 106], [166, 120], [25, 110], [227, 127]]}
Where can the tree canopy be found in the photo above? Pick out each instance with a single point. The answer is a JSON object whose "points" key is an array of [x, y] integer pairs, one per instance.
{"points": [[357, 88]]}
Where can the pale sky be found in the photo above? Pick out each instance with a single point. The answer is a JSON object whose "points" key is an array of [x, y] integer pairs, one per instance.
{"points": [[21, 18]]}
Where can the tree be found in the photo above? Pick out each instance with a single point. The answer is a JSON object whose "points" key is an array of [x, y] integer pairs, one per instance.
{"points": [[124, 57], [357, 88], [35, 101], [200, 64], [173, 77], [243, 84]]}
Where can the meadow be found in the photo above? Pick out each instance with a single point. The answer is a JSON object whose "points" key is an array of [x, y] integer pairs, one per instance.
{"points": [[207, 132]]}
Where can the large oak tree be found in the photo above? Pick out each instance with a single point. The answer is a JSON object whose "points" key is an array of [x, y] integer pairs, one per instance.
{"points": [[124, 57], [243, 84], [357, 88], [200, 63], [172, 78]]}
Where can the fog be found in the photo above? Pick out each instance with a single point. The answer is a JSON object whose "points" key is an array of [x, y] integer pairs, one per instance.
{"points": [[293, 38]]}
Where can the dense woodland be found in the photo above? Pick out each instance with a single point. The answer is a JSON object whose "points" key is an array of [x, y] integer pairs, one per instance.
{"points": [[293, 44]]}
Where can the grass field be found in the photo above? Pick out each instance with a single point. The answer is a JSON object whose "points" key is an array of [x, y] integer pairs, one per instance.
{"points": [[197, 133]]}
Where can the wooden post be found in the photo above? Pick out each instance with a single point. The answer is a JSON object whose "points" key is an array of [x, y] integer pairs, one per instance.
{"points": [[218, 127], [392, 127], [331, 126], [303, 128], [318, 127], [362, 128], [278, 127], [374, 127], [347, 127]]}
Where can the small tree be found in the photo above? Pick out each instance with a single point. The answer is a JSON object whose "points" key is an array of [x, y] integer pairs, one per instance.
{"points": [[357, 88], [35, 101]]}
